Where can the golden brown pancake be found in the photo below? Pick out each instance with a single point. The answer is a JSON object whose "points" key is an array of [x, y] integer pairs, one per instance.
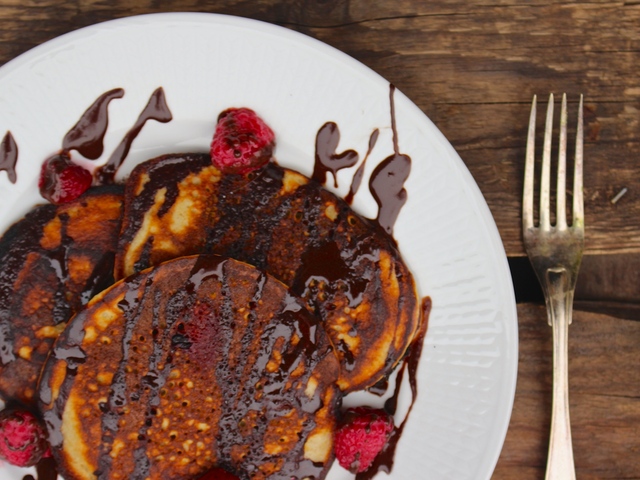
{"points": [[199, 362], [52, 262], [345, 267]]}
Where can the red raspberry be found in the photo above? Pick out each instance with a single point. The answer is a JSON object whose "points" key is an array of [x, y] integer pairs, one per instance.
{"points": [[218, 474], [363, 434], [61, 180], [200, 334], [242, 141], [23, 439]]}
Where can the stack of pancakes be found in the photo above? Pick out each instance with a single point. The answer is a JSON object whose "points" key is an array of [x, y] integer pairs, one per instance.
{"points": [[243, 307]]}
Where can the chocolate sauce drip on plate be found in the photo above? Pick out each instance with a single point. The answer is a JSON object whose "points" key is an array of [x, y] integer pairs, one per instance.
{"points": [[156, 109], [388, 178], [87, 135], [45, 470], [384, 461], [9, 156], [327, 160], [357, 177]]}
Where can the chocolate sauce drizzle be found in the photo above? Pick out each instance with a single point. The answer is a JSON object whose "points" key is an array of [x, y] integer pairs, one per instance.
{"points": [[156, 109], [45, 470], [87, 135], [384, 461], [117, 400], [327, 160], [71, 352], [387, 180], [11, 266], [9, 156], [357, 177]]}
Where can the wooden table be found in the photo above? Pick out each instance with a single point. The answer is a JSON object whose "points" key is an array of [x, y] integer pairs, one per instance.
{"points": [[473, 67]]}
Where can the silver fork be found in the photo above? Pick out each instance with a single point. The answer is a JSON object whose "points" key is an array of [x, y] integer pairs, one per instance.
{"points": [[555, 251]]}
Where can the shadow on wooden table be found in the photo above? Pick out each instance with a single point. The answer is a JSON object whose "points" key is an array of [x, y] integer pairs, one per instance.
{"points": [[604, 383]]}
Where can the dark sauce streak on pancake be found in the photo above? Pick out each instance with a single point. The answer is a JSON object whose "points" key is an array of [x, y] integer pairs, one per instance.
{"points": [[19, 236], [87, 135], [117, 394], [327, 263], [226, 376], [204, 268], [58, 261], [324, 263], [156, 109], [153, 380], [9, 156], [73, 355], [181, 303], [175, 168], [357, 177], [264, 186], [99, 279], [384, 460], [327, 160]]}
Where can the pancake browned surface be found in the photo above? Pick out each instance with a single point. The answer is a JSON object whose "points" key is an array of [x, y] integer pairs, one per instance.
{"points": [[53, 261], [199, 362], [345, 267]]}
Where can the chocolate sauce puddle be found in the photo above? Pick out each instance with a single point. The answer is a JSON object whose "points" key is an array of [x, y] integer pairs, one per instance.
{"points": [[384, 461], [87, 135], [9, 156]]}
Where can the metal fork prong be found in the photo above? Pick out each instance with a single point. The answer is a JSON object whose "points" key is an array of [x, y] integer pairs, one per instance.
{"points": [[545, 175], [561, 189], [527, 198], [578, 201]]}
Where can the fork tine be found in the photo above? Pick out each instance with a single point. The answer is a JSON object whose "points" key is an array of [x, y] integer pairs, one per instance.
{"points": [[561, 205], [545, 221], [578, 202], [527, 197]]}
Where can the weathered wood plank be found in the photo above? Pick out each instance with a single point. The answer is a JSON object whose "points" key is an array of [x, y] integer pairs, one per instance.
{"points": [[607, 284], [604, 397]]}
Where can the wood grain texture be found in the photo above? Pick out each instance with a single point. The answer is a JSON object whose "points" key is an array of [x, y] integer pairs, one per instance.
{"points": [[604, 397], [472, 67]]}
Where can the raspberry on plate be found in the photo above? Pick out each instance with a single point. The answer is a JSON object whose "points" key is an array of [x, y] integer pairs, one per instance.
{"points": [[61, 180], [364, 433], [242, 141], [23, 439]]}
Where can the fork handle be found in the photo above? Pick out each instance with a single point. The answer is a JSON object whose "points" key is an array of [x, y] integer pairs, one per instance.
{"points": [[560, 464]]}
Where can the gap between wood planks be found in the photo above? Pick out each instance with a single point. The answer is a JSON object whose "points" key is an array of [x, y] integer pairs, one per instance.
{"points": [[607, 284]]}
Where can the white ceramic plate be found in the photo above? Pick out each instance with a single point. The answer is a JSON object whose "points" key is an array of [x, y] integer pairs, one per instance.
{"points": [[206, 63]]}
